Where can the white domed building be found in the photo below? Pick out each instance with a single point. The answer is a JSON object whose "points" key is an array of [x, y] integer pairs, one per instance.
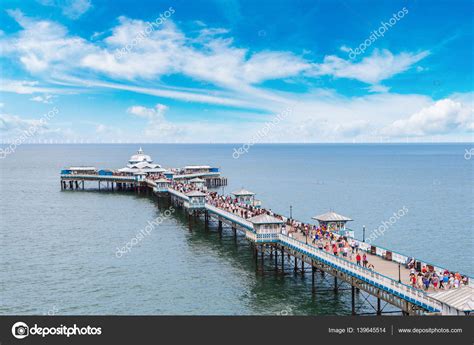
{"points": [[141, 164]]}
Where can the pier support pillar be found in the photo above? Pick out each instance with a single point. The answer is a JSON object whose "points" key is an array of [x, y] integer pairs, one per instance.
{"points": [[296, 265], [379, 309], [262, 254], [302, 265], [282, 260], [276, 258], [219, 226], [353, 300], [313, 271], [256, 256], [336, 289]]}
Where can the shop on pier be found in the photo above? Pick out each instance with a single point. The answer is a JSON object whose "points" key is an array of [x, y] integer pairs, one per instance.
{"points": [[246, 197], [334, 222], [198, 183], [266, 227]]}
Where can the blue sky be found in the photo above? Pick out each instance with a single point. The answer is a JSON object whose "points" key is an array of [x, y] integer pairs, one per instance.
{"points": [[218, 71]]}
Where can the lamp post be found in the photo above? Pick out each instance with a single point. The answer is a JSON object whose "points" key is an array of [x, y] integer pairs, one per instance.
{"points": [[291, 212], [363, 233]]}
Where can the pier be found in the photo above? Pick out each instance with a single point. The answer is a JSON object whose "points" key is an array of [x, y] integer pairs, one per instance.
{"points": [[288, 252]]}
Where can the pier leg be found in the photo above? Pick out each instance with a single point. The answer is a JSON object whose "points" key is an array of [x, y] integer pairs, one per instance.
{"points": [[296, 265], [313, 271], [282, 260], [83, 185], [379, 309], [99, 185], [302, 266], [262, 254], [276, 259], [353, 300], [219, 226], [336, 289]]}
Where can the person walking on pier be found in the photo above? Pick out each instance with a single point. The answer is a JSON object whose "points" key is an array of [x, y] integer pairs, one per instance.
{"points": [[358, 259], [364, 260]]}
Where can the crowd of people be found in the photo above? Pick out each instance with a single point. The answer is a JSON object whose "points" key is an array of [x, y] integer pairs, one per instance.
{"points": [[328, 241], [428, 278]]}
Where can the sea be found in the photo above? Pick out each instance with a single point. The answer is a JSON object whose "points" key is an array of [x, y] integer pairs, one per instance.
{"points": [[58, 249]]}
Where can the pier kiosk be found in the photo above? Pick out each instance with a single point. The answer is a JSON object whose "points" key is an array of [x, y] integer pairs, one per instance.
{"points": [[199, 183], [266, 227], [246, 197], [331, 221], [196, 200], [162, 185]]}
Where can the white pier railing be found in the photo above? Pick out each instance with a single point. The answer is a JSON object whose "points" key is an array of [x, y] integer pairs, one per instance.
{"points": [[379, 280], [230, 216], [178, 194]]}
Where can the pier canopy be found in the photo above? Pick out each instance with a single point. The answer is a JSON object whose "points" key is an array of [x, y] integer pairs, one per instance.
{"points": [[246, 197], [140, 157], [141, 163], [198, 182], [266, 227], [197, 200], [192, 169], [162, 185], [456, 301], [82, 170], [332, 221]]}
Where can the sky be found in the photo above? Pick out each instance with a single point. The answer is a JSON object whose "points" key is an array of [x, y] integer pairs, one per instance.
{"points": [[236, 71]]}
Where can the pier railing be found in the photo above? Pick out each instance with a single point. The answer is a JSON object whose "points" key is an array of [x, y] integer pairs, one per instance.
{"points": [[230, 216], [178, 194], [99, 177], [388, 284]]}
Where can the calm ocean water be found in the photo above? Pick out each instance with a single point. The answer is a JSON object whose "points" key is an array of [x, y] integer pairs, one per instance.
{"points": [[58, 248]]}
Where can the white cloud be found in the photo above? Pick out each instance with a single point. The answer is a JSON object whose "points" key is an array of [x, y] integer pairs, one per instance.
{"points": [[43, 44], [378, 88], [25, 87], [46, 99], [70, 8], [157, 127], [443, 116], [381, 65]]}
